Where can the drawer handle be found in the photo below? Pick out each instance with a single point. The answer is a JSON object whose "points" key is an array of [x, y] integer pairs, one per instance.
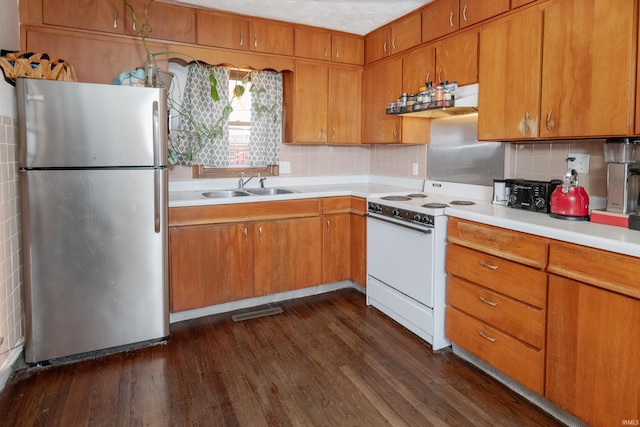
{"points": [[484, 264], [486, 301], [488, 338]]}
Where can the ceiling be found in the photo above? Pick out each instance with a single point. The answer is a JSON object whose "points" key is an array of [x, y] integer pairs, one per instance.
{"points": [[351, 16]]}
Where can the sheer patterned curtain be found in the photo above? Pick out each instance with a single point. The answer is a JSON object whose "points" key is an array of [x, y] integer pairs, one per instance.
{"points": [[266, 118], [201, 130]]}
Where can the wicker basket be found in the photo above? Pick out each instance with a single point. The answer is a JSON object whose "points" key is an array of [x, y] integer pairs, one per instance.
{"points": [[35, 66]]}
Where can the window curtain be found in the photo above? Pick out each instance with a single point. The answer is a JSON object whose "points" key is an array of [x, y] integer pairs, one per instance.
{"points": [[201, 130], [266, 118]]}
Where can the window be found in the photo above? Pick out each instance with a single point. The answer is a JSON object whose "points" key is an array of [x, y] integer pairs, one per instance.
{"points": [[248, 141]]}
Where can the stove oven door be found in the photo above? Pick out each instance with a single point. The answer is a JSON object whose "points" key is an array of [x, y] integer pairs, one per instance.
{"points": [[402, 257]]}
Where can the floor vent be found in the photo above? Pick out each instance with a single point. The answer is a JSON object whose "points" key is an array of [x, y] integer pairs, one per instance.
{"points": [[256, 314]]}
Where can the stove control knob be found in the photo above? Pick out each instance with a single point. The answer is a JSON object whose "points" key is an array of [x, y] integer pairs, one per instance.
{"points": [[417, 217], [396, 213]]}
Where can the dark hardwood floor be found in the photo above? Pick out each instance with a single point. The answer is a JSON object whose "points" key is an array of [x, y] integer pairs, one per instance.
{"points": [[327, 360]]}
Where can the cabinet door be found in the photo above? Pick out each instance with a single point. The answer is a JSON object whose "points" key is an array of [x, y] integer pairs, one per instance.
{"points": [[347, 49], [288, 255], [457, 59], [588, 68], [439, 19], [517, 3], [222, 30], [376, 45], [336, 248], [271, 37], [509, 66], [593, 348], [310, 116], [418, 68], [210, 264], [474, 11], [95, 58], [312, 44], [105, 15], [406, 33], [382, 83], [345, 89], [166, 21]]}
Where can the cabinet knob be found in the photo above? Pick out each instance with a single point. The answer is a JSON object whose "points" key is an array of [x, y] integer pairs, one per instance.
{"points": [[492, 267], [464, 13], [328, 226], [550, 122], [115, 20], [485, 336], [241, 38], [244, 232], [393, 43], [326, 50], [486, 301], [255, 39], [337, 52], [384, 47], [260, 233], [451, 19]]}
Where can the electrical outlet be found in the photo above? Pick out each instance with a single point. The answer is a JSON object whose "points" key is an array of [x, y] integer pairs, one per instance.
{"points": [[414, 169], [580, 164], [285, 167]]}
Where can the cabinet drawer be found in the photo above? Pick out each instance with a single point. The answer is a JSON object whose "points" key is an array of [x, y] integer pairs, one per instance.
{"points": [[607, 270], [514, 245], [517, 319], [519, 361], [332, 205], [514, 280]]}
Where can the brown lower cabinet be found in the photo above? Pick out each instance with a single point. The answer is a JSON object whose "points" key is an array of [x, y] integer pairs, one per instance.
{"points": [[559, 318], [224, 253]]}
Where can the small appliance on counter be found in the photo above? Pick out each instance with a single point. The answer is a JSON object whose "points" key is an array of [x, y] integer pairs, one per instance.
{"points": [[569, 200], [524, 194], [622, 157]]}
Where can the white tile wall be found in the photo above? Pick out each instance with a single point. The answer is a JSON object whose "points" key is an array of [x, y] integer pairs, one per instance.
{"points": [[11, 306]]}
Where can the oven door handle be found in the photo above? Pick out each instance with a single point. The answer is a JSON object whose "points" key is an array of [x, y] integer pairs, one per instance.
{"points": [[418, 229]]}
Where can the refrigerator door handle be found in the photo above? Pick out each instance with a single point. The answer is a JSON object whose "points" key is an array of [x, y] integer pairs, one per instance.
{"points": [[157, 175], [156, 134]]}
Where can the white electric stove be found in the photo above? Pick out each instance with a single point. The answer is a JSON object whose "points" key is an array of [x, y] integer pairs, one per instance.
{"points": [[406, 243]]}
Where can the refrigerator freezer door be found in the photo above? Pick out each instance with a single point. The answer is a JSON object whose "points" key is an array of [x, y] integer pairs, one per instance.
{"points": [[68, 124], [95, 266]]}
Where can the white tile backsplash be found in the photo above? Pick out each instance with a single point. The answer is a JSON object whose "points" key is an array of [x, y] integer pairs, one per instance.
{"points": [[11, 304]]}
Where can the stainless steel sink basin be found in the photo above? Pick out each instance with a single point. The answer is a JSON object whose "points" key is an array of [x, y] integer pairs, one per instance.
{"points": [[223, 194], [268, 191]]}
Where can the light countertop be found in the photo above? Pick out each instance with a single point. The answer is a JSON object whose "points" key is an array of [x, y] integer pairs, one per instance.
{"points": [[607, 237]]}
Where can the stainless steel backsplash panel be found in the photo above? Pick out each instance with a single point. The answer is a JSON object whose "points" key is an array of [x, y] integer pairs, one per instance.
{"points": [[456, 155]]}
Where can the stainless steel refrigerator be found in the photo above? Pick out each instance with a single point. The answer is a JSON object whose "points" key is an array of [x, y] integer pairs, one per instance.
{"points": [[93, 179]]}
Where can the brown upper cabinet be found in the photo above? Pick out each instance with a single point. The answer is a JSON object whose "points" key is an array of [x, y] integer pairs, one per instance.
{"points": [[381, 84], [105, 15], [183, 21], [474, 11], [439, 19], [243, 33], [314, 43], [396, 37], [517, 3], [271, 37], [510, 63], [457, 59], [223, 30], [581, 54]]}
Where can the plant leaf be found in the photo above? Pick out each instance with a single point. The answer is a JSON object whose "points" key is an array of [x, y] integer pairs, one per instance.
{"points": [[214, 87]]}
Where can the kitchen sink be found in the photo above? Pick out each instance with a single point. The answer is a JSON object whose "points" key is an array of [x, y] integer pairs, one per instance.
{"points": [[269, 191], [223, 194]]}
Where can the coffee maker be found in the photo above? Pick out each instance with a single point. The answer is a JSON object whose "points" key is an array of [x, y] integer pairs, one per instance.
{"points": [[622, 156]]}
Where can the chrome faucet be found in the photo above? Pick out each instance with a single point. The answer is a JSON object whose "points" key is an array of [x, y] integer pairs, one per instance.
{"points": [[242, 182]]}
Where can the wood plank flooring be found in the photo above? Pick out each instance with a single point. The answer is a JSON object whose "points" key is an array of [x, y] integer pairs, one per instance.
{"points": [[327, 360]]}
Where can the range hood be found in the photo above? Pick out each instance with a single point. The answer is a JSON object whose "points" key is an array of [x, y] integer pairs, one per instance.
{"points": [[466, 102]]}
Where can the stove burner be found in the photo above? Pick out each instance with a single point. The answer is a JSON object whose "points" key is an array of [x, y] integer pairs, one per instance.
{"points": [[462, 202], [396, 198], [417, 195], [435, 205]]}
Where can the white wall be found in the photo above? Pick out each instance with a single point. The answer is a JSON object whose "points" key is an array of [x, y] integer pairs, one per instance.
{"points": [[11, 307]]}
